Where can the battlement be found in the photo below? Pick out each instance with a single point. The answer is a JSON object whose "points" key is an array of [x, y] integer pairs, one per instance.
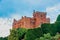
{"points": [[28, 22]]}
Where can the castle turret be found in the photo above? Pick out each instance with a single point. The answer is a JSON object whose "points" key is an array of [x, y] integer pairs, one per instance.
{"points": [[14, 23], [40, 17]]}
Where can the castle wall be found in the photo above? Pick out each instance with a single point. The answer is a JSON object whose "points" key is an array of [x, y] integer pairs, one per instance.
{"points": [[27, 22]]}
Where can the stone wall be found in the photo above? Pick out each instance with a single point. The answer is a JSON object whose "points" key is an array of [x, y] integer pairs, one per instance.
{"points": [[28, 22]]}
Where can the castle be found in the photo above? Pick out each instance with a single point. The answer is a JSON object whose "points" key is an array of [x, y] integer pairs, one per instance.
{"points": [[34, 22]]}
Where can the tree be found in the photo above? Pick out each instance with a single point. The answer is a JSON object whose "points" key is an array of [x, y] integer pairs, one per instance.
{"points": [[58, 18], [45, 28], [53, 29], [49, 28], [21, 32], [49, 37], [3, 38], [16, 34], [45, 37], [57, 36], [32, 34], [57, 24], [13, 35]]}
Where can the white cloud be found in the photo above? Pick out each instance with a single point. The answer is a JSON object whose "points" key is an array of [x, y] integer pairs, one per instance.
{"points": [[16, 16], [6, 23], [5, 26], [53, 12]]}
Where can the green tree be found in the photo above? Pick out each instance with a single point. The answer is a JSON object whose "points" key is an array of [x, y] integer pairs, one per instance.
{"points": [[16, 34], [45, 28], [49, 37], [58, 26], [53, 29], [45, 37], [58, 18], [57, 36], [57, 23], [21, 32], [3, 38], [49, 28], [13, 35], [32, 34]]}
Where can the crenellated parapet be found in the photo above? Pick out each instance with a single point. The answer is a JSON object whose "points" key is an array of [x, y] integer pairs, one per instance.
{"points": [[28, 22]]}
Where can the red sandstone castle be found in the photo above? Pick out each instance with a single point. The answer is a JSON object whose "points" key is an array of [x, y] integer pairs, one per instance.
{"points": [[34, 22]]}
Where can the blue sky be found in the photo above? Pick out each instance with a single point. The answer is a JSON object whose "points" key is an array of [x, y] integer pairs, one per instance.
{"points": [[10, 9]]}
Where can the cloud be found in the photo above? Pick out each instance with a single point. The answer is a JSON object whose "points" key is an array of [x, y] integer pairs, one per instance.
{"points": [[19, 15], [16, 16], [53, 12], [6, 23], [5, 26]]}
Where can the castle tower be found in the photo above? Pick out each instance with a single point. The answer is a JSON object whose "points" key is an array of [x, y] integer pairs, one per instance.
{"points": [[40, 17]]}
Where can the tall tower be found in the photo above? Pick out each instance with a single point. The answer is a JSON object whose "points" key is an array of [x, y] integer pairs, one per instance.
{"points": [[40, 17]]}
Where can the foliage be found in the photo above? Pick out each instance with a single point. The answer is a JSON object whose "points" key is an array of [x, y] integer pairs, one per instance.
{"points": [[58, 26], [46, 32], [45, 37], [16, 34], [21, 33], [57, 36], [45, 28], [32, 34], [49, 37], [49, 28], [13, 35], [5, 38], [53, 29], [57, 23], [58, 18]]}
